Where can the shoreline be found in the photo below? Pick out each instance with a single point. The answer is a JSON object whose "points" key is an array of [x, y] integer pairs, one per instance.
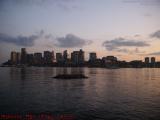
{"points": [[71, 67]]}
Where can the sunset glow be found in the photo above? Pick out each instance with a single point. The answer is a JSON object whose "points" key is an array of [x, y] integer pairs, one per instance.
{"points": [[73, 24]]}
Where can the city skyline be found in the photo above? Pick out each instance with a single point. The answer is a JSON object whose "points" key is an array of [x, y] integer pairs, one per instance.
{"points": [[128, 29], [75, 59], [67, 55]]}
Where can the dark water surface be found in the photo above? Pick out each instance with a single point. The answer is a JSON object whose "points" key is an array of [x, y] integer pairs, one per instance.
{"points": [[119, 94]]}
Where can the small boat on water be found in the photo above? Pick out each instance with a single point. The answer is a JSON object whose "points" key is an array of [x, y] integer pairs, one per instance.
{"points": [[70, 76]]}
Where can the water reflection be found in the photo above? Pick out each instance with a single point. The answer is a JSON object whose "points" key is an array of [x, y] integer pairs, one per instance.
{"points": [[93, 71], [106, 94], [23, 73], [69, 70]]}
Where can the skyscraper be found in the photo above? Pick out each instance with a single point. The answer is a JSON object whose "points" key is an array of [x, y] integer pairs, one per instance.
{"points": [[47, 57], [59, 57], [153, 59], [23, 56], [13, 57], [65, 55], [92, 56], [38, 58], [81, 56], [77, 57], [146, 59], [30, 59], [74, 57], [18, 57], [53, 57]]}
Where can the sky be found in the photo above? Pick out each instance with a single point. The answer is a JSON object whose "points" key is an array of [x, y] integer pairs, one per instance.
{"points": [[127, 29]]}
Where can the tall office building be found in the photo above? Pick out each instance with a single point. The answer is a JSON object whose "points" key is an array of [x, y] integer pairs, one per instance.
{"points": [[146, 60], [81, 56], [65, 55], [74, 57], [77, 57], [92, 56], [23, 56], [47, 57], [30, 59], [38, 58], [153, 59], [53, 57], [13, 57], [18, 57], [59, 57]]}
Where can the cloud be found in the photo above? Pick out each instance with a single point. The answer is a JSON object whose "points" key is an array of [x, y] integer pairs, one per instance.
{"points": [[137, 35], [154, 53], [20, 40], [115, 44], [156, 34], [71, 41], [62, 4], [36, 1], [144, 2], [133, 51]]}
